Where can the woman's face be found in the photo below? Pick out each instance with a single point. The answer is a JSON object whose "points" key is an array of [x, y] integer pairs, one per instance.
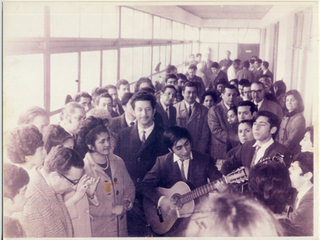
{"points": [[232, 117], [102, 144], [306, 144], [208, 101], [39, 156], [291, 103], [245, 133]]}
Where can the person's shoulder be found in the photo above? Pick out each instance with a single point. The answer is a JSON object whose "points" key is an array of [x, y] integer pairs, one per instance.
{"points": [[198, 156], [125, 132]]}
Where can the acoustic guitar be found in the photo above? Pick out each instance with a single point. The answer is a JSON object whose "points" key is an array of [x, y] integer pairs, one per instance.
{"points": [[161, 218]]}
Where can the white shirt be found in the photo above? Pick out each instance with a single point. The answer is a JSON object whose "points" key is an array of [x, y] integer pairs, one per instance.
{"points": [[262, 149], [147, 130], [301, 194], [128, 121], [232, 72], [188, 105], [227, 106], [259, 104], [185, 163]]}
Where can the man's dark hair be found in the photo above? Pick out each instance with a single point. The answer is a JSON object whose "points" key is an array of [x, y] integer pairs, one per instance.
{"points": [[234, 109], [229, 86], [190, 84], [244, 81], [305, 160], [14, 178], [171, 76], [79, 95], [238, 61], [97, 92], [271, 185], [126, 97], [110, 87], [258, 60], [168, 86], [103, 95], [272, 118], [143, 80], [253, 107], [236, 81], [246, 64], [121, 82], [173, 134], [248, 121], [215, 65], [265, 64], [252, 61], [55, 135], [61, 159], [169, 69], [182, 76], [198, 54], [143, 96], [193, 66]]}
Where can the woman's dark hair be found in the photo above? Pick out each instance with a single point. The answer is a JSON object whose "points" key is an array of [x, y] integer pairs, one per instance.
{"points": [[174, 134], [209, 93], [54, 135], [14, 178], [271, 185], [310, 130], [23, 141], [297, 96]]}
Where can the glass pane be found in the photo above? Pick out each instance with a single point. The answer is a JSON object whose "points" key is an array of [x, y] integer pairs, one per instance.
{"points": [[229, 35], [22, 86], [249, 35], [65, 20], [162, 57], [189, 35], [138, 24], [163, 34], [90, 71], [110, 22], [213, 49], [109, 67], [156, 27], [209, 35], [64, 72], [146, 69], [175, 34], [180, 31], [232, 47], [177, 54], [195, 48], [147, 23], [126, 64], [168, 55], [156, 58], [126, 22], [137, 63], [169, 29], [23, 19], [91, 15], [195, 34]]}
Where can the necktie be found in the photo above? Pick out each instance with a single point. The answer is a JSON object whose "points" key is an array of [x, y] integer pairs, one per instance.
{"points": [[190, 111], [255, 155], [132, 123], [143, 139], [182, 171], [168, 113]]}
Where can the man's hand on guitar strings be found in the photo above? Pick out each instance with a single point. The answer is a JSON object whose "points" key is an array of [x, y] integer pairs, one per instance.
{"points": [[221, 186]]}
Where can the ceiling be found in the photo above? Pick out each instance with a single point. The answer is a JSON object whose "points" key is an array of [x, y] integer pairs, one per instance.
{"points": [[227, 11]]}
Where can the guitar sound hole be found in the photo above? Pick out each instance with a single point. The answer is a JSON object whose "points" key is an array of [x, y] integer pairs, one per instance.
{"points": [[177, 200]]}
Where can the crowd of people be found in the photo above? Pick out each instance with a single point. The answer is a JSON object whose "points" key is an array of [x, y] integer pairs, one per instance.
{"points": [[92, 174]]}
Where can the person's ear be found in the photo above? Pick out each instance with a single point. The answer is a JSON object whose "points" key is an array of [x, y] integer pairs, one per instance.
{"points": [[170, 150], [273, 130], [91, 147], [53, 177], [308, 175]]}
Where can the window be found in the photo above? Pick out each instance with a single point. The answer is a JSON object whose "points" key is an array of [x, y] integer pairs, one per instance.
{"points": [[126, 64], [209, 35], [126, 22], [249, 36], [228, 35], [90, 71], [109, 67], [156, 27], [156, 58], [138, 24], [110, 21], [91, 15]]}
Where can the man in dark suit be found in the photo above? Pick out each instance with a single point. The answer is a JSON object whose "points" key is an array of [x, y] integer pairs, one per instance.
{"points": [[191, 76], [181, 164], [250, 153], [257, 71], [139, 146], [266, 71], [125, 120], [226, 63], [258, 92], [116, 106], [165, 107], [218, 74], [193, 116], [218, 123], [104, 101], [301, 176]]}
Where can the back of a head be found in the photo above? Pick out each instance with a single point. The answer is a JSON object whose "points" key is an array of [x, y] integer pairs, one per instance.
{"points": [[61, 159], [215, 65], [69, 109], [23, 141], [281, 87], [12, 228], [143, 80], [271, 185], [79, 95], [99, 113], [193, 66], [54, 135], [233, 215], [305, 160], [29, 114], [97, 92], [14, 178], [182, 76], [246, 64], [170, 76]]}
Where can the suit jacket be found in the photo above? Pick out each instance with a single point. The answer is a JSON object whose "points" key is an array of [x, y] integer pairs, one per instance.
{"points": [[221, 75], [118, 123], [207, 72], [218, 124], [302, 217], [244, 155], [273, 107], [197, 124], [139, 158], [165, 173], [244, 74], [45, 213], [225, 63], [269, 73], [165, 120], [257, 73]]}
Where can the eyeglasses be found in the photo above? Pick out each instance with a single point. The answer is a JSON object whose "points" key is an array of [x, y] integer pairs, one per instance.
{"points": [[258, 91], [73, 182]]}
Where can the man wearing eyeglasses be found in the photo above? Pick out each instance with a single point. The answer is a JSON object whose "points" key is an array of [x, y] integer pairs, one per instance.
{"points": [[258, 96], [45, 213], [165, 106]]}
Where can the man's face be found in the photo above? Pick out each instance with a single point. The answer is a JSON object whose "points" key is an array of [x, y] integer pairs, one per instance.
{"points": [[172, 81], [41, 122], [245, 133], [241, 89], [296, 176], [182, 148], [86, 103], [181, 82], [191, 72], [106, 103], [168, 96], [257, 92], [144, 112], [236, 65], [124, 88], [256, 64], [262, 130], [114, 94], [64, 183], [190, 94], [198, 59], [214, 70], [247, 95], [128, 109], [244, 113], [228, 54], [228, 96], [306, 144], [75, 120]]}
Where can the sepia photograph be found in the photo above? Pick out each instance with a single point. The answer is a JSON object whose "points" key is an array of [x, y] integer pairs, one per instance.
{"points": [[131, 119]]}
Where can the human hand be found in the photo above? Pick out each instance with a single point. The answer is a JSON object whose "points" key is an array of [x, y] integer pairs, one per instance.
{"points": [[81, 189], [92, 186], [221, 186]]}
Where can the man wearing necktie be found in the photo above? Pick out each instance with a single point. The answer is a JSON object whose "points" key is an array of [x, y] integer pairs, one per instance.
{"points": [[249, 154], [181, 164]]}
